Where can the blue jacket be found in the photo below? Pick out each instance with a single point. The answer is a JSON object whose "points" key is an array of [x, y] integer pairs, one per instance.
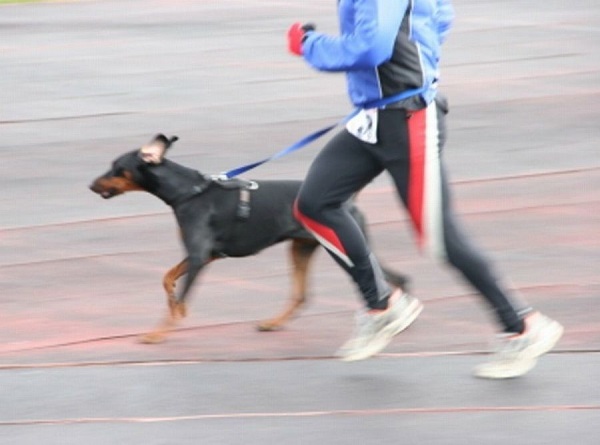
{"points": [[385, 47]]}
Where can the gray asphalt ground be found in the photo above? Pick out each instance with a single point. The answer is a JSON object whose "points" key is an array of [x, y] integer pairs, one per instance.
{"points": [[84, 81]]}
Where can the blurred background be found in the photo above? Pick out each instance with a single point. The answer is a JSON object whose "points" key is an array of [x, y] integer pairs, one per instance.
{"points": [[84, 81]]}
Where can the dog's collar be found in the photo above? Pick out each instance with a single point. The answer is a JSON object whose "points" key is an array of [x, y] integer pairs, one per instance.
{"points": [[197, 189], [205, 182]]}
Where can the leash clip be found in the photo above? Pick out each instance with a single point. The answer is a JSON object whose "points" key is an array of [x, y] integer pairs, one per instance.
{"points": [[219, 177]]}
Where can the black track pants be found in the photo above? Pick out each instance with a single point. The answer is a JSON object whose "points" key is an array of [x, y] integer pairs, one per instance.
{"points": [[408, 148]]}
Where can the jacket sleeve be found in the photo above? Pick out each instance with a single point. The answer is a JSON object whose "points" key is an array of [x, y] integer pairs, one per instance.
{"points": [[365, 42], [444, 18]]}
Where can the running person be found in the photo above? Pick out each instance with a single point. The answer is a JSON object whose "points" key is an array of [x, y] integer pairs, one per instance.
{"points": [[388, 47]]}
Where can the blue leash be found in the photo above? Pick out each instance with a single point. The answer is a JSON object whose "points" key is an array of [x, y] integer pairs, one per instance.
{"points": [[317, 134]]}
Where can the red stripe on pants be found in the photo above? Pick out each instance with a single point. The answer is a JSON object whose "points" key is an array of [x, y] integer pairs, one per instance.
{"points": [[416, 181], [321, 230]]}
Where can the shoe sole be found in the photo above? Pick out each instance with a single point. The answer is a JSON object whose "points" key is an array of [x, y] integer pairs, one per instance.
{"points": [[516, 369], [379, 344]]}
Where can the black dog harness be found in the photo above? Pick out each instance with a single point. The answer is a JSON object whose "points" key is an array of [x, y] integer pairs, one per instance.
{"points": [[243, 206], [245, 187]]}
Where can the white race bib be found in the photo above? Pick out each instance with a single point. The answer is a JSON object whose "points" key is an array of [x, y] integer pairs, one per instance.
{"points": [[364, 125]]}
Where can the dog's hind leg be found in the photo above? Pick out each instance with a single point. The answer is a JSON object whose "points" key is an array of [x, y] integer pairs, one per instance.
{"points": [[301, 252], [176, 310]]}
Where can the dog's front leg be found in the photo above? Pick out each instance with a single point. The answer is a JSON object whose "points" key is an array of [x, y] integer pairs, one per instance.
{"points": [[176, 310]]}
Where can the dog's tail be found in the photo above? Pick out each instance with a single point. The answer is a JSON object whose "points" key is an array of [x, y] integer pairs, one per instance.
{"points": [[396, 279]]}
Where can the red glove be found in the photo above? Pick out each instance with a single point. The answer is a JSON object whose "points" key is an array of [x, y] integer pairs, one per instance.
{"points": [[296, 36]]}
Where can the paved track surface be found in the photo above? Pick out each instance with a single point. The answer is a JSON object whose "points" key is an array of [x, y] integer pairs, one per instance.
{"points": [[84, 81]]}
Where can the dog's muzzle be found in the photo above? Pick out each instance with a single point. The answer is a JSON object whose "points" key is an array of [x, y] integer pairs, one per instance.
{"points": [[103, 192]]}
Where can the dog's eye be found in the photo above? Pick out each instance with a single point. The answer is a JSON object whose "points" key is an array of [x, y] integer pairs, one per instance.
{"points": [[119, 171]]}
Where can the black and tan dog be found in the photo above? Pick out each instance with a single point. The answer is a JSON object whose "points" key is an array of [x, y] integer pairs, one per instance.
{"points": [[218, 219]]}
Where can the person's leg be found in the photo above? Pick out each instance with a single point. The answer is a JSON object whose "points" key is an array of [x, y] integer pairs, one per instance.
{"points": [[462, 254], [341, 169], [422, 184]]}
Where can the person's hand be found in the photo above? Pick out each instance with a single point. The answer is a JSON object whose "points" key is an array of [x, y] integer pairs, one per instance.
{"points": [[296, 36]]}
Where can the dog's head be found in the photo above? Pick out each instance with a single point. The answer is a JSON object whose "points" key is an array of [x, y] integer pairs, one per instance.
{"points": [[128, 171]]}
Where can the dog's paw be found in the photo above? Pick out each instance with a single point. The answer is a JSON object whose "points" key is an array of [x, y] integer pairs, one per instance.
{"points": [[152, 338], [268, 326], [177, 310]]}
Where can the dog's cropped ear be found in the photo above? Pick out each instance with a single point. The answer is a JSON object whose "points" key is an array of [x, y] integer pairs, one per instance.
{"points": [[167, 142], [154, 151]]}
